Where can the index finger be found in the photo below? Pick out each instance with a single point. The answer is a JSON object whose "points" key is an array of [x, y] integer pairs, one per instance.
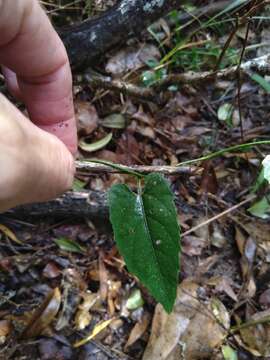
{"points": [[31, 48]]}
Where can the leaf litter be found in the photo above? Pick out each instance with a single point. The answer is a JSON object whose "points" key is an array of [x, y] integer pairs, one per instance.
{"points": [[79, 291]]}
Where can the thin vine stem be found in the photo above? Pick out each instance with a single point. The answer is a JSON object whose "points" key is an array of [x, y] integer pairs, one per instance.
{"points": [[123, 169], [127, 170], [224, 151], [250, 323]]}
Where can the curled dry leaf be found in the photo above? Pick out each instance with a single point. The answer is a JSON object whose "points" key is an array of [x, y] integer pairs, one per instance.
{"points": [[10, 234], [83, 316], [179, 335], [43, 315], [138, 330], [95, 146], [103, 279]]}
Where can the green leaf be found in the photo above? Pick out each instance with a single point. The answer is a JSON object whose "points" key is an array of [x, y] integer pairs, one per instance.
{"points": [[147, 235], [96, 145], [260, 181], [78, 185], [229, 353], [69, 245], [135, 300], [114, 121], [225, 112], [149, 77], [261, 81], [260, 209]]}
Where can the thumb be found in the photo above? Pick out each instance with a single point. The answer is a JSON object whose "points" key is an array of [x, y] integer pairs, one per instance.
{"points": [[36, 165]]}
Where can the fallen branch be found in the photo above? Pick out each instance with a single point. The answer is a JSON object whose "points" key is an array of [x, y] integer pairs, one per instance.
{"points": [[218, 216], [260, 65], [88, 204], [91, 205], [93, 168], [97, 81], [86, 42], [89, 41]]}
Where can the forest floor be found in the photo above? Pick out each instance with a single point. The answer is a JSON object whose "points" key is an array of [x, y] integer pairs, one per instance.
{"points": [[62, 279]]}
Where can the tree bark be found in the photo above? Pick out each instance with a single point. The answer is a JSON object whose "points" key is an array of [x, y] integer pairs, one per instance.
{"points": [[87, 41], [89, 204]]}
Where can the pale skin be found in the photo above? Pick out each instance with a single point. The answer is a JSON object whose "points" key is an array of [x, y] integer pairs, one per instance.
{"points": [[36, 159]]}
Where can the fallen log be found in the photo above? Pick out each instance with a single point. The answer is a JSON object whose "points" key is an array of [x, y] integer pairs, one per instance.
{"points": [[89, 40], [88, 204]]}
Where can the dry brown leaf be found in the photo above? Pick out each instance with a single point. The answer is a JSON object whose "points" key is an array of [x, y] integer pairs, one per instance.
{"points": [[179, 335], [223, 284], [146, 131], [138, 330], [113, 293], [10, 234], [5, 330], [145, 118], [43, 315], [193, 245], [240, 240], [73, 285], [265, 40], [87, 117], [83, 316], [132, 58], [103, 279], [258, 230], [209, 183], [264, 299], [51, 271], [97, 330], [247, 248], [217, 237], [256, 337]]}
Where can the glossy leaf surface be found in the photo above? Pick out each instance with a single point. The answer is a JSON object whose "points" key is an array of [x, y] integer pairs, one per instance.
{"points": [[147, 235]]}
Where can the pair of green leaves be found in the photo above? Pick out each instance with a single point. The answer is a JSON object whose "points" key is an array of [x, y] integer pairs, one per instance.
{"points": [[147, 235]]}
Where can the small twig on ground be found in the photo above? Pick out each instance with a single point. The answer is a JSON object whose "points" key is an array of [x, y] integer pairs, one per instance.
{"points": [[184, 18], [261, 65], [108, 83], [93, 168], [218, 216]]}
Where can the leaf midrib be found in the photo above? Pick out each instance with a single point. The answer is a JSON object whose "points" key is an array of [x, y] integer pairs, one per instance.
{"points": [[161, 277]]}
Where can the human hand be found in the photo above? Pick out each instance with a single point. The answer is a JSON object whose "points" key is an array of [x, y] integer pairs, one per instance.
{"points": [[35, 164]]}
